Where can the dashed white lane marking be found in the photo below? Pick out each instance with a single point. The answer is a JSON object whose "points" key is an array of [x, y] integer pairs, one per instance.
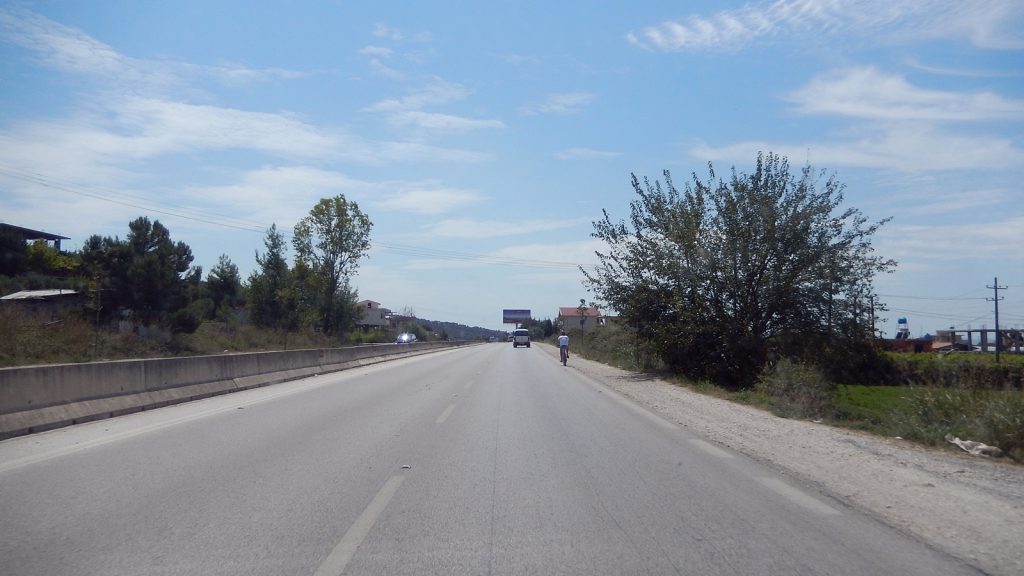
{"points": [[783, 489], [342, 554], [710, 448], [444, 415]]}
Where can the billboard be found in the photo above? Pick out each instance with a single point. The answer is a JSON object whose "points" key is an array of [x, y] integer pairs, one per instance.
{"points": [[514, 316]]}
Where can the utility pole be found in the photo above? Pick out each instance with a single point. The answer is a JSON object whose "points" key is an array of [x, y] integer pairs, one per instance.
{"points": [[995, 287], [871, 300]]}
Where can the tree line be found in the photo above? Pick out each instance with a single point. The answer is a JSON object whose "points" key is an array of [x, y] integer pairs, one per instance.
{"points": [[150, 280]]}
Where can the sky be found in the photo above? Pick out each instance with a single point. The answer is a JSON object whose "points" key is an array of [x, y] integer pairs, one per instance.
{"points": [[483, 139]]}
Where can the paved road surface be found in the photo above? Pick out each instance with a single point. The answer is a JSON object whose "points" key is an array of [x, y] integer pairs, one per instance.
{"points": [[483, 460]]}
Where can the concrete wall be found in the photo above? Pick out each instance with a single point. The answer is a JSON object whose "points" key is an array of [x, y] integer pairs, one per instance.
{"points": [[38, 398]]}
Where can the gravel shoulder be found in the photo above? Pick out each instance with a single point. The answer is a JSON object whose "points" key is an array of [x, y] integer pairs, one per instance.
{"points": [[968, 506]]}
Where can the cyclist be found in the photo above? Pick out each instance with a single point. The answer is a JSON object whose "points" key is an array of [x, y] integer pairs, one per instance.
{"points": [[563, 347]]}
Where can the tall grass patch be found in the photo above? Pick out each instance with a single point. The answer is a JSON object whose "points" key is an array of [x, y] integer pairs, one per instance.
{"points": [[994, 417], [614, 345]]}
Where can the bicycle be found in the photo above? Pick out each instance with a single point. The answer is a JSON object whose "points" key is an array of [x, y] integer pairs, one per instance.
{"points": [[564, 352]]}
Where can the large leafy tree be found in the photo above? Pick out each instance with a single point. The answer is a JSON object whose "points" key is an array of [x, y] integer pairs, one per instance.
{"points": [[329, 243], [146, 273], [719, 275]]}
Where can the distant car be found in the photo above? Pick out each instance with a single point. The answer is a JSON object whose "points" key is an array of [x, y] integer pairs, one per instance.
{"points": [[521, 337], [405, 338]]}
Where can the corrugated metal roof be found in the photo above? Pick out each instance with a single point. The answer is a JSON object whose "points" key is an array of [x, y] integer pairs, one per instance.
{"points": [[30, 234], [37, 294]]}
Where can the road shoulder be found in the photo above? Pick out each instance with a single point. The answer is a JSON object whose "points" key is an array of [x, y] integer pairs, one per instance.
{"points": [[966, 506]]}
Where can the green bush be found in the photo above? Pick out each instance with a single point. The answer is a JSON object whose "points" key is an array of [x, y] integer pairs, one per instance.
{"points": [[798, 390]]}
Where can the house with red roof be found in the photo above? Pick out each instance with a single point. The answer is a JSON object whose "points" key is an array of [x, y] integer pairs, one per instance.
{"points": [[580, 318]]}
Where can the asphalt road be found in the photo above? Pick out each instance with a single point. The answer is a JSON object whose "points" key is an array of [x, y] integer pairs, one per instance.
{"points": [[481, 460]]}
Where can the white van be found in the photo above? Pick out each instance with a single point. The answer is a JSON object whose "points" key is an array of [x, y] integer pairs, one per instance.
{"points": [[521, 337]]}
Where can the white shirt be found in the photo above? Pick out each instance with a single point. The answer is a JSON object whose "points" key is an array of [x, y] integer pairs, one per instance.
{"points": [[563, 340]]}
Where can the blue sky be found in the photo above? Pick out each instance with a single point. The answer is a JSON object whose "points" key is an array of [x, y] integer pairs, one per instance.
{"points": [[483, 138]]}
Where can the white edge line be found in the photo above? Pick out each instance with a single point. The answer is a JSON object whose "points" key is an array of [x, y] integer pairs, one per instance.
{"points": [[796, 496], [710, 448]]}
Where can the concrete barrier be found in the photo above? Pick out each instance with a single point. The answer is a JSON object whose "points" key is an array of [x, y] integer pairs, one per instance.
{"points": [[37, 398]]}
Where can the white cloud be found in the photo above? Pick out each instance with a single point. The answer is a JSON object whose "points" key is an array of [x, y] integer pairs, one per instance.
{"points": [[905, 147], [378, 55], [376, 51], [408, 110], [585, 154], [155, 127], [441, 122], [994, 24], [70, 50], [866, 92], [468, 228], [429, 201], [998, 240], [437, 93], [559, 103], [956, 202], [561, 260], [385, 31], [281, 194], [905, 128]]}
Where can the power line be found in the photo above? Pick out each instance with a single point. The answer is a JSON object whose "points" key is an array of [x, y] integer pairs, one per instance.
{"points": [[111, 196], [938, 299]]}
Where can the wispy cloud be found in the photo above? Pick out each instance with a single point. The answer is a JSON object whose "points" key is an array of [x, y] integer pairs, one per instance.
{"points": [[901, 147], [957, 202], [385, 31], [468, 228], [378, 56], [160, 127], [999, 240], [585, 154], [407, 111], [868, 93], [994, 24], [70, 50], [281, 194], [894, 125], [561, 259], [429, 201], [962, 72], [436, 93], [559, 103]]}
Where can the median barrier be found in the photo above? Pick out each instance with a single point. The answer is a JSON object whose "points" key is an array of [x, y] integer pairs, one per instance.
{"points": [[37, 398]]}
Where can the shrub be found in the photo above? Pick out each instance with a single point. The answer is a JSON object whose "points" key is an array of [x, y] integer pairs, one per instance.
{"points": [[798, 390]]}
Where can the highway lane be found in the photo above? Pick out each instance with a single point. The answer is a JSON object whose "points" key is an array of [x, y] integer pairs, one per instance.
{"points": [[484, 460]]}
